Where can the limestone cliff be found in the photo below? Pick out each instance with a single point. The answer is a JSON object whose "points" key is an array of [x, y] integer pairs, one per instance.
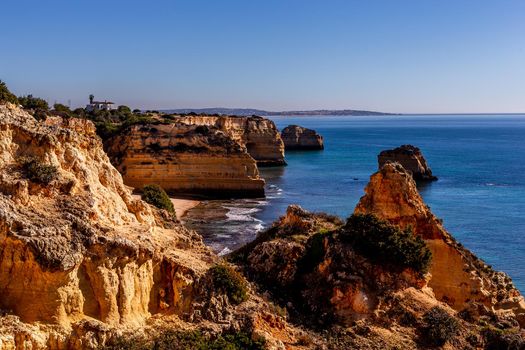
{"points": [[458, 277], [185, 159], [298, 138], [81, 261], [259, 135], [411, 158]]}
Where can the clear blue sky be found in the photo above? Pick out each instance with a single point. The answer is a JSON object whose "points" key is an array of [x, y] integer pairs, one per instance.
{"points": [[391, 55]]}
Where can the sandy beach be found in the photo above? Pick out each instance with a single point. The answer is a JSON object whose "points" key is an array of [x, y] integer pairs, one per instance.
{"points": [[181, 205]]}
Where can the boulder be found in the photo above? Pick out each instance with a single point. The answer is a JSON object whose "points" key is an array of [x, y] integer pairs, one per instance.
{"points": [[298, 138]]}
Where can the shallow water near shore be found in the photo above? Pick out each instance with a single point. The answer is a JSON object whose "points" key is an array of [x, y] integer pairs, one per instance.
{"points": [[480, 194]]}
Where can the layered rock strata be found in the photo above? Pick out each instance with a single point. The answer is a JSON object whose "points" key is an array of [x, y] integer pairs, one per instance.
{"points": [[411, 158], [459, 278], [185, 159], [259, 135], [298, 138], [82, 261]]}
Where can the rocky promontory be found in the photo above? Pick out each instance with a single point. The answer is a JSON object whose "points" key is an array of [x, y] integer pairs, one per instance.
{"points": [[84, 265], [185, 159], [259, 135], [458, 277], [390, 274], [298, 138], [411, 158]]}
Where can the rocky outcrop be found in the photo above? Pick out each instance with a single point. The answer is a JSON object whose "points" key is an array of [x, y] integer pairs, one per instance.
{"points": [[458, 277], [298, 138], [411, 159], [81, 260], [185, 159], [375, 275], [259, 135], [309, 259]]}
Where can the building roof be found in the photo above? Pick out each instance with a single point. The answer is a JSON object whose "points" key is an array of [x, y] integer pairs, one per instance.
{"points": [[102, 103]]}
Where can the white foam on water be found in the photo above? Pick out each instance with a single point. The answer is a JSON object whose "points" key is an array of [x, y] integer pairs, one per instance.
{"points": [[241, 214], [225, 251]]}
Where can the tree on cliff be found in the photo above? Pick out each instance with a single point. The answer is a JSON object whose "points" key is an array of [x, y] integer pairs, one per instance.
{"points": [[35, 103], [6, 95]]}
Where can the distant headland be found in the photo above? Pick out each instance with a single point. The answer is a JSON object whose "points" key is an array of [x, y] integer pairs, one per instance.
{"points": [[251, 111]]}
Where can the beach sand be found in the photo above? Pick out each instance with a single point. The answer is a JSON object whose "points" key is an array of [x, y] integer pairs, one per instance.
{"points": [[181, 205]]}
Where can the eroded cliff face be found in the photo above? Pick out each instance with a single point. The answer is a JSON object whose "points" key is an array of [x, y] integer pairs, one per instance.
{"points": [[298, 138], [185, 159], [458, 277], [81, 260], [411, 158], [81, 246], [259, 135]]}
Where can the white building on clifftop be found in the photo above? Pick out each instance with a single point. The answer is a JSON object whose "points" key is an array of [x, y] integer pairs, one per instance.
{"points": [[98, 105]]}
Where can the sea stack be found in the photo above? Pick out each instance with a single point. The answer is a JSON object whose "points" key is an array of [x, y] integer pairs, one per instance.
{"points": [[296, 137], [412, 160]]}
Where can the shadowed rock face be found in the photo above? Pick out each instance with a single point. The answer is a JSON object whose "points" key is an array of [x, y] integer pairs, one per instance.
{"points": [[459, 278], [411, 158], [298, 138], [185, 159], [259, 135]]}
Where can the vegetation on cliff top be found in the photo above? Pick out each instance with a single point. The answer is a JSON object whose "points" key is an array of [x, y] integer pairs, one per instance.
{"points": [[155, 195], [6, 95], [440, 327], [384, 243]]}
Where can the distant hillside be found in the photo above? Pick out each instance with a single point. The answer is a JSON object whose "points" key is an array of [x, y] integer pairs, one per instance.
{"points": [[250, 111]]}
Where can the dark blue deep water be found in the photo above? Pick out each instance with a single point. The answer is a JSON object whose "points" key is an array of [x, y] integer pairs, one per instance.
{"points": [[480, 195]]}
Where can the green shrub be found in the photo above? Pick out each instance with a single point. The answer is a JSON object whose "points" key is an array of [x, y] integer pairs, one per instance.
{"points": [[6, 95], [498, 339], [38, 172], [155, 195], [188, 340], [385, 243], [439, 327], [230, 282]]}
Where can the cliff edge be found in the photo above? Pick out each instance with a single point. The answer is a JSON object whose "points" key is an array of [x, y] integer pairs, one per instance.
{"points": [[259, 135], [185, 159]]}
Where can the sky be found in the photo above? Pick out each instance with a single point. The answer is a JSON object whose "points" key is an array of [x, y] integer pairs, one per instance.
{"points": [[402, 56]]}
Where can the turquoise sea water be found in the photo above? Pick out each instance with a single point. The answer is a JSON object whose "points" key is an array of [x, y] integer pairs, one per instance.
{"points": [[480, 194]]}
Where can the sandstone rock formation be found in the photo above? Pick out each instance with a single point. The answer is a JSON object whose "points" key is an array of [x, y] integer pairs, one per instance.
{"points": [[313, 263], [458, 277], [411, 159], [185, 159], [82, 261], [259, 135], [298, 138]]}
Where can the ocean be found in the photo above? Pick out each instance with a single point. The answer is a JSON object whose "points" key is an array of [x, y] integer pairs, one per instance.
{"points": [[480, 194]]}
